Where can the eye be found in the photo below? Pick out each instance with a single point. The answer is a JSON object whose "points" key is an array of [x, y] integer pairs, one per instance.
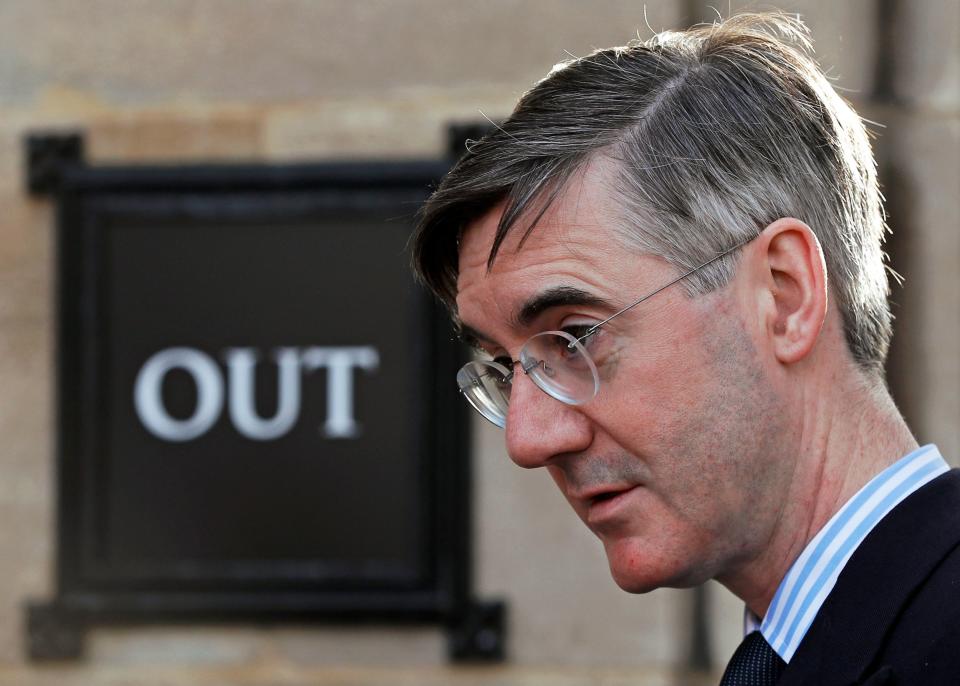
{"points": [[578, 331], [504, 360]]}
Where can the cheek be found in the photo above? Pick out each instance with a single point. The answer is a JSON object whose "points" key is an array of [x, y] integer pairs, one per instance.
{"points": [[695, 409], [673, 382], [661, 367], [726, 440], [656, 393]]}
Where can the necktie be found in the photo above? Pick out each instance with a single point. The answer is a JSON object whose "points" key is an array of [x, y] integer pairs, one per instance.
{"points": [[754, 663]]}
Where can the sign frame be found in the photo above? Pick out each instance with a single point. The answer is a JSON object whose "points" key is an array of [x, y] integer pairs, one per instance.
{"points": [[55, 629]]}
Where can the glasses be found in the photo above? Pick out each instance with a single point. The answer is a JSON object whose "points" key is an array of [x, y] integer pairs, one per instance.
{"points": [[558, 362]]}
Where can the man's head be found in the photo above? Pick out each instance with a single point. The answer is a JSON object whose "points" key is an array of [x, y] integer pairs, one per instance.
{"points": [[715, 133], [614, 175]]}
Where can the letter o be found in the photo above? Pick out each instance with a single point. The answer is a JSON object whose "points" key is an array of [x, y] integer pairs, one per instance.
{"points": [[148, 395]]}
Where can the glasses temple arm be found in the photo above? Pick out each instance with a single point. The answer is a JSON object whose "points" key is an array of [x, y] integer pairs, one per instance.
{"points": [[593, 329]]}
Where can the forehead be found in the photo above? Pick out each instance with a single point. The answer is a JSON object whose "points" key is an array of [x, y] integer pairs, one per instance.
{"points": [[574, 244]]}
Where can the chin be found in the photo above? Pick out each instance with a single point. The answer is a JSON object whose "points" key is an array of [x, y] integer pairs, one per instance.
{"points": [[637, 570], [632, 584]]}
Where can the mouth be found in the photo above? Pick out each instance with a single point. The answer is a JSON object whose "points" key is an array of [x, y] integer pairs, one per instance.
{"points": [[604, 504], [604, 497]]}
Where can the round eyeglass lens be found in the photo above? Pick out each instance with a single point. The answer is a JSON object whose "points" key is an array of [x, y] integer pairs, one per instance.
{"points": [[486, 385], [560, 365]]}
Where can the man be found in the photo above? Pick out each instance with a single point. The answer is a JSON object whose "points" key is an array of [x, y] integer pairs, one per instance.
{"points": [[670, 256]]}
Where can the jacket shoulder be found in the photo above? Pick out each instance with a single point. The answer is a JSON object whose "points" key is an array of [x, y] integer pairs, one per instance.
{"points": [[923, 644], [895, 609]]}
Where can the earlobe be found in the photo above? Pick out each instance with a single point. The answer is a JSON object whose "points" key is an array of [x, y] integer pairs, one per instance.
{"points": [[796, 276]]}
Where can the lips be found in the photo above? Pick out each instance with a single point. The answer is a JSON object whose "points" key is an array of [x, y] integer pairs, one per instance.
{"points": [[604, 503], [601, 493], [605, 496]]}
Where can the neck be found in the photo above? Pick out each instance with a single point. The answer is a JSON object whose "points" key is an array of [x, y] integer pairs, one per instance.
{"points": [[849, 433]]}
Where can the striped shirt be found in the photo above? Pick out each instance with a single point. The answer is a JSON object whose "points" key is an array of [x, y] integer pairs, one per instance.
{"points": [[812, 576]]}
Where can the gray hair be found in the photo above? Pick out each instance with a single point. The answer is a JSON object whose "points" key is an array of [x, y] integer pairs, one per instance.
{"points": [[716, 132]]}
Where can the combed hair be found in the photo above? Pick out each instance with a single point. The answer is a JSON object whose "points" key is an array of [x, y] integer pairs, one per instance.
{"points": [[716, 132]]}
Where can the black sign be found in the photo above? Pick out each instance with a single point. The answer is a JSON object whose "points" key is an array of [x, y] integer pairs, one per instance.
{"points": [[257, 418]]}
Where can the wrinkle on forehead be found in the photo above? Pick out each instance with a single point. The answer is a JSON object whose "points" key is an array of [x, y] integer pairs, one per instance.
{"points": [[574, 245], [584, 208]]}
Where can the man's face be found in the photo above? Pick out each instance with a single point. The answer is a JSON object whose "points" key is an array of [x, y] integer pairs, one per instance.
{"points": [[672, 465]]}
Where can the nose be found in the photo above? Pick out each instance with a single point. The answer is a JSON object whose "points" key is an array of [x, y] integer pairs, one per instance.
{"points": [[540, 427]]}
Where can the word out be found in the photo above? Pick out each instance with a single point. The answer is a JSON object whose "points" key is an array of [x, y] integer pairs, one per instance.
{"points": [[239, 389]]}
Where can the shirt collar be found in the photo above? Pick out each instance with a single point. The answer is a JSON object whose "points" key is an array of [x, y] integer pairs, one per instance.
{"points": [[813, 574]]}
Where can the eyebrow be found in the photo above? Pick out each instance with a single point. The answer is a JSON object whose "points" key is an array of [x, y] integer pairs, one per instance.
{"points": [[556, 297], [533, 307]]}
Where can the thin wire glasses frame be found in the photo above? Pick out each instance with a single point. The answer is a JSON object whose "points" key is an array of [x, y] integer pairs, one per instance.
{"points": [[556, 361]]}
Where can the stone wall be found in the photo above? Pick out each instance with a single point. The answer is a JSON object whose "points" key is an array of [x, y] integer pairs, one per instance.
{"points": [[281, 80], [921, 155]]}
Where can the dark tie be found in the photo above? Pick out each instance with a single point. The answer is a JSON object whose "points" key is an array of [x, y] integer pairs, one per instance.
{"points": [[754, 664]]}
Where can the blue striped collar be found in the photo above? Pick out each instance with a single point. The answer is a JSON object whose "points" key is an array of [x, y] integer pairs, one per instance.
{"points": [[812, 576]]}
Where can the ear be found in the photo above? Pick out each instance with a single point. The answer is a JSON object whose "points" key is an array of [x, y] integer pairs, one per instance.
{"points": [[792, 275]]}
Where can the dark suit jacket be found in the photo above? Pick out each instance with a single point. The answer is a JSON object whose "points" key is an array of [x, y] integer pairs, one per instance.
{"points": [[894, 615]]}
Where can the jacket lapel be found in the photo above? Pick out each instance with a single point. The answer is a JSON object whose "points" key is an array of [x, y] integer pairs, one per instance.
{"points": [[894, 559]]}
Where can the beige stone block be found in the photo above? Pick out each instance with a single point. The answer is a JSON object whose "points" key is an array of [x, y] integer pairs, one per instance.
{"points": [[26, 500], [26, 230], [367, 645], [270, 674], [25, 563], [508, 675], [11, 159], [26, 258], [137, 51], [25, 409], [175, 136], [172, 646], [411, 124], [533, 551], [927, 65], [926, 161], [844, 36], [27, 371]]}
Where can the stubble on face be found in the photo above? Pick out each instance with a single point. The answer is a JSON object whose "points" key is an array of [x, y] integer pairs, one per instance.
{"points": [[688, 415], [737, 431], [709, 466]]}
